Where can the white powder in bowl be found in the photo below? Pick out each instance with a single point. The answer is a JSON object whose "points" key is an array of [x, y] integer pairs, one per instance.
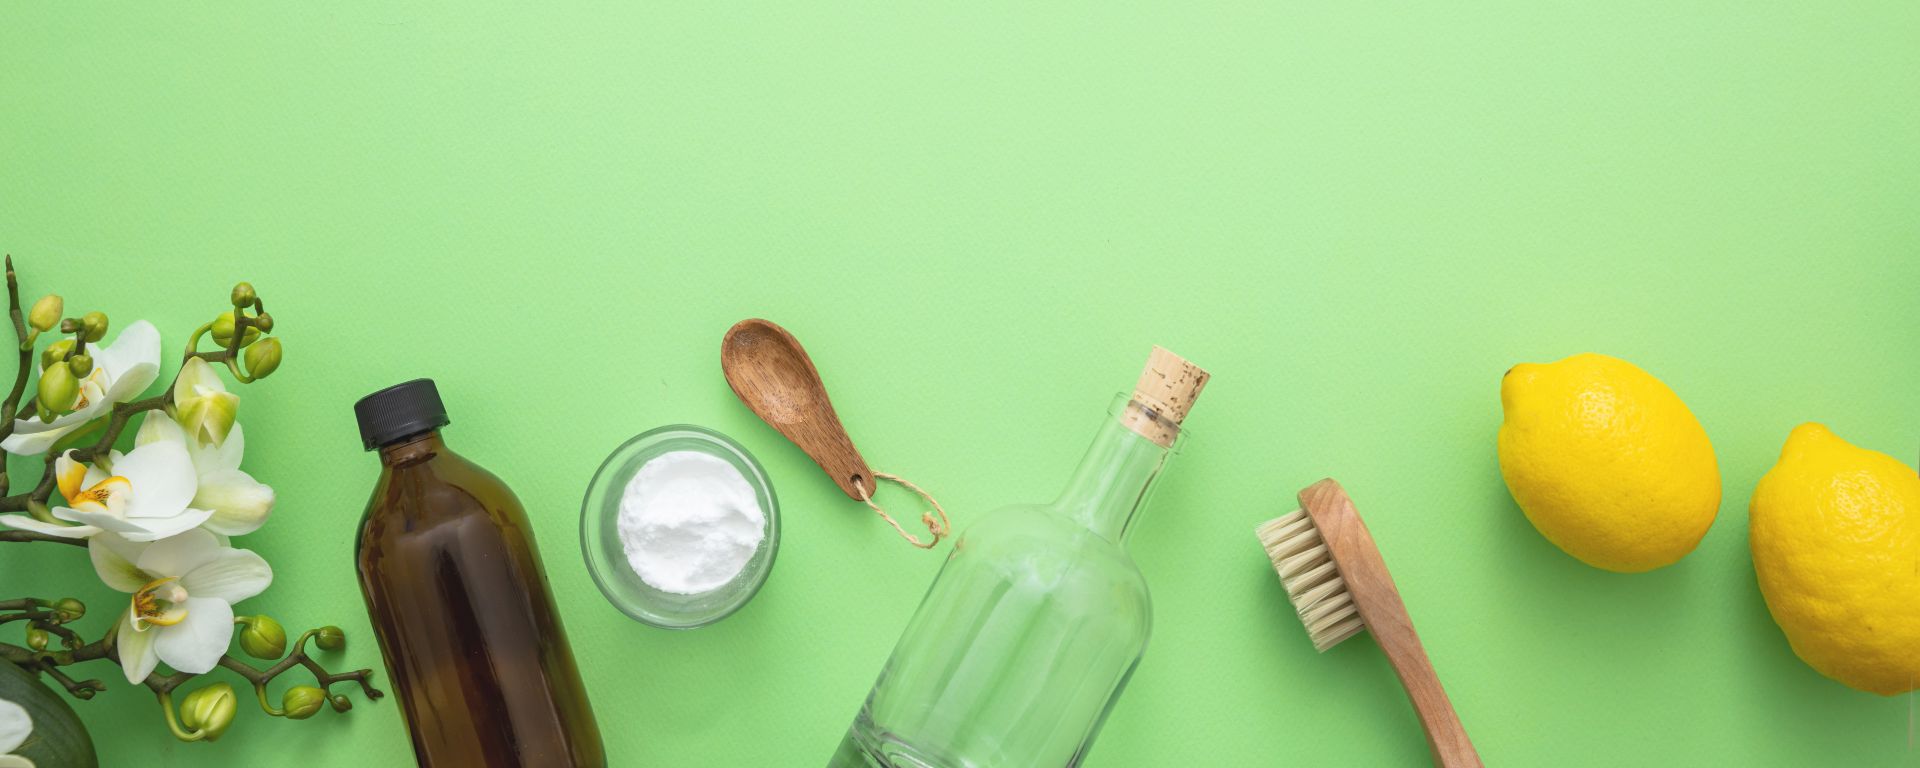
{"points": [[689, 522]]}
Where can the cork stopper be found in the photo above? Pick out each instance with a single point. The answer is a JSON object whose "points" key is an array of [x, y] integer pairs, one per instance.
{"points": [[1168, 387]]}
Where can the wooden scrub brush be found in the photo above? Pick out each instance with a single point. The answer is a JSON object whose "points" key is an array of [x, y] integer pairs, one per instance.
{"points": [[1338, 583]]}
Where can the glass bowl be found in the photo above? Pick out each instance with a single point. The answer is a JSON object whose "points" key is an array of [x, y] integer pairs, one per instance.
{"points": [[607, 561]]}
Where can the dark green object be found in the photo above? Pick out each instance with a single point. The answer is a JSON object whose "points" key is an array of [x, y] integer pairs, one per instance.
{"points": [[58, 739]]}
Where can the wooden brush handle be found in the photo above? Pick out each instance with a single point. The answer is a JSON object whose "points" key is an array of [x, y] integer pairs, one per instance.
{"points": [[1379, 605]]}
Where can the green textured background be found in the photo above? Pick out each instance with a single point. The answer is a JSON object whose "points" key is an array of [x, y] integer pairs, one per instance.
{"points": [[979, 216]]}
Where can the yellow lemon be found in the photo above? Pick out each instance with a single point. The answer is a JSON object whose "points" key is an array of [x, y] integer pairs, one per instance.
{"points": [[1835, 531], [1607, 462]]}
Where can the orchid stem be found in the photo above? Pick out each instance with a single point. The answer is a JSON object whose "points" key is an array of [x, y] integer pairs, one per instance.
{"points": [[173, 721]]}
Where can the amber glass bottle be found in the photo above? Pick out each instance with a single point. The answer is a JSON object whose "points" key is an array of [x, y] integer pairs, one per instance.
{"points": [[459, 601]]}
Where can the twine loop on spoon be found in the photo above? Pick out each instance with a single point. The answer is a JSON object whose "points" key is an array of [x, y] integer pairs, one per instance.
{"points": [[938, 528]]}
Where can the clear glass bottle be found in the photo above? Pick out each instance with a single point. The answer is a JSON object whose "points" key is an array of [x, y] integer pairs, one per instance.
{"points": [[1031, 629]]}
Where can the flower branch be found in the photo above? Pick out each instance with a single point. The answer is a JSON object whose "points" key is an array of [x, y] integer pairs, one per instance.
{"points": [[6, 536], [158, 519]]}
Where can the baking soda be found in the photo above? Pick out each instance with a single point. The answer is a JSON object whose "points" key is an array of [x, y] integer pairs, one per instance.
{"points": [[689, 522]]}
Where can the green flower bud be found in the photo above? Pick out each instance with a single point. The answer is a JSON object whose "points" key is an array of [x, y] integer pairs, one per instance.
{"points": [[341, 703], [265, 321], [243, 294], [36, 638], [330, 638], [223, 331], [201, 403], [95, 325], [209, 709], [81, 364], [55, 352], [302, 701], [263, 357], [46, 312], [58, 389], [70, 609], [41, 412], [262, 638]]}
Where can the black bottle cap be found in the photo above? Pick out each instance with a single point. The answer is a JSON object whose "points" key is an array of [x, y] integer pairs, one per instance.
{"points": [[399, 411]]}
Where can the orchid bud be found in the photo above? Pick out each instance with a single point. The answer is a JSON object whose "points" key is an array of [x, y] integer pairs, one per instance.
{"points": [[41, 412], [330, 638], [264, 321], [58, 389], [36, 638], [341, 703], [201, 403], [55, 352], [46, 312], [81, 364], [209, 710], [70, 609], [263, 358], [302, 701], [223, 331], [243, 294], [95, 326], [262, 637]]}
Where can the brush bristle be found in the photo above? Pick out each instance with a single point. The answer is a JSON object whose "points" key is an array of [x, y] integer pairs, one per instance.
{"points": [[1313, 582]]}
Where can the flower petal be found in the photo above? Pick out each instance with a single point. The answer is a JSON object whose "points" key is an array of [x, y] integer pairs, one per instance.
{"points": [[109, 496], [15, 725], [209, 417], [92, 389], [132, 359], [163, 479], [195, 376], [157, 426], [223, 455], [233, 575], [26, 523], [28, 441], [179, 555], [137, 656], [196, 643], [95, 474], [240, 504], [157, 528], [107, 521], [113, 559], [69, 474], [15, 761]]}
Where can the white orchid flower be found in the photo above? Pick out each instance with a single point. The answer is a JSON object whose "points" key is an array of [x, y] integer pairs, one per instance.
{"points": [[121, 371], [15, 726], [202, 404], [147, 497], [183, 592], [239, 503]]}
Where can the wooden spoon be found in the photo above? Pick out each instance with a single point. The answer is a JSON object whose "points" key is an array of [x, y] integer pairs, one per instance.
{"points": [[770, 372]]}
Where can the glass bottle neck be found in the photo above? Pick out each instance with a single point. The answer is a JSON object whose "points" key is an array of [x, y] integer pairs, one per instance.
{"points": [[412, 450], [1113, 481]]}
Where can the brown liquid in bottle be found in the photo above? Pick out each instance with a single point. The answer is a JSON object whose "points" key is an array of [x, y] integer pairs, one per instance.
{"points": [[465, 617]]}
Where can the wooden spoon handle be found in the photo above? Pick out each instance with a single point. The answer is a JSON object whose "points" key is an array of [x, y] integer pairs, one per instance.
{"points": [[1378, 602], [830, 448]]}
